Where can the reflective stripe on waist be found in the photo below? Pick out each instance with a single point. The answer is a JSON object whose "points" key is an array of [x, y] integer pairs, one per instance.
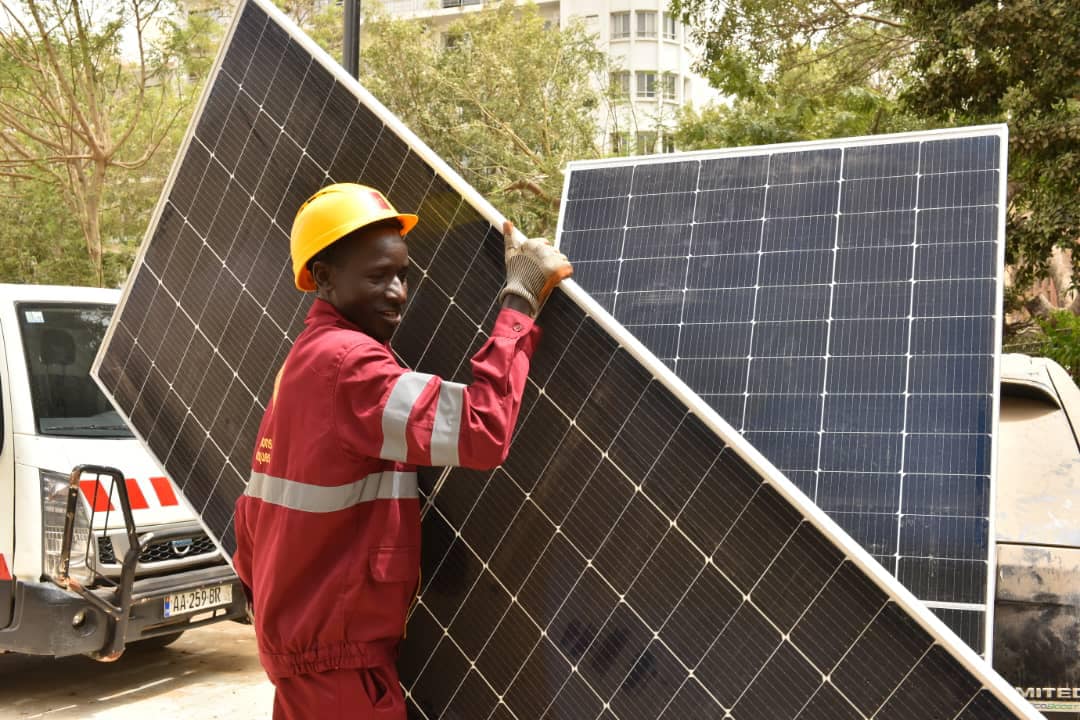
{"points": [[388, 485]]}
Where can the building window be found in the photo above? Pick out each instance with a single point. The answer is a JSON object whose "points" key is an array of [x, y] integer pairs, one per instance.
{"points": [[620, 84], [669, 80], [620, 143], [671, 27], [620, 25], [646, 143], [668, 143], [646, 84], [646, 23]]}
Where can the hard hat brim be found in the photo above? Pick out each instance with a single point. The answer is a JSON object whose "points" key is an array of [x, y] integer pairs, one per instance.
{"points": [[304, 280]]}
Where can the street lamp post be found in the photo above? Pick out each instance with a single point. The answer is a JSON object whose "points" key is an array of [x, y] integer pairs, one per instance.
{"points": [[351, 46]]}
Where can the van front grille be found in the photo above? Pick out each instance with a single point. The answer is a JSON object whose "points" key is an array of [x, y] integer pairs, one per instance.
{"points": [[159, 550]]}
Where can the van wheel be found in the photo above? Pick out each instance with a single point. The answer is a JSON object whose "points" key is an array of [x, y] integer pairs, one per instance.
{"points": [[157, 642]]}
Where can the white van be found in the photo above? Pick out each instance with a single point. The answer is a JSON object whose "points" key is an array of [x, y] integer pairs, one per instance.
{"points": [[76, 586]]}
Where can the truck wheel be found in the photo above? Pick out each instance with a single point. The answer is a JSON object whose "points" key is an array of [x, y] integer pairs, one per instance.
{"points": [[155, 643]]}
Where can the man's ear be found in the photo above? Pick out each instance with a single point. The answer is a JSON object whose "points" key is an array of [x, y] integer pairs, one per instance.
{"points": [[323, 274]]}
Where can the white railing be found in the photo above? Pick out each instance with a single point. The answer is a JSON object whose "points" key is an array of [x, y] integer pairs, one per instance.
{"points": [[422, 7]]}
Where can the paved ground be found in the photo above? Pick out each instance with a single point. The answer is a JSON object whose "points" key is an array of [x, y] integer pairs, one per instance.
{"points": [[208, 674]]}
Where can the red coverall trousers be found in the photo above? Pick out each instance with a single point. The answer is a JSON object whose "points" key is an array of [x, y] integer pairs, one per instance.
{"points": [[367, 693]]}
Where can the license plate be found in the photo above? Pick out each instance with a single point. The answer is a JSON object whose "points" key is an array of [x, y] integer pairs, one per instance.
{"points": [[196, 600]]}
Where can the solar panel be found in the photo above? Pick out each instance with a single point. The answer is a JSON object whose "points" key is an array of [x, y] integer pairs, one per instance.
{"points": [[839, 304], [633, 558]]}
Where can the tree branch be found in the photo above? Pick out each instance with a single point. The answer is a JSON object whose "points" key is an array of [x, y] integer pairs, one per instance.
{"points": [[502, 126], [139, 104], [152, 149], [530, 186], [46, 160], [13, 122], [868, 18], [56, 68]]}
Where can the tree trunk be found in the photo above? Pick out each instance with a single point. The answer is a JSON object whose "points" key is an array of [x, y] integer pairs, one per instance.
{"points": [[92, 221]]}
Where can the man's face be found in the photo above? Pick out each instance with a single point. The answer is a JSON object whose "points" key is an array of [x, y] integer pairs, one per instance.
{"points": [[366, 282]]}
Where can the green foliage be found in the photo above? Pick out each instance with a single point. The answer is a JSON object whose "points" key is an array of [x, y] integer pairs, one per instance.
{"points": [[749, 43], [322, 21], [793, 67], [507, 102], [40, 242], [790, 107], [978, 62], [191, 37], [95, 113], [794, 71], [1061, 340]]}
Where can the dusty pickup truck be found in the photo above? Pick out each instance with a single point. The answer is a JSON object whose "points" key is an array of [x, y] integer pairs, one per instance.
{"points": [[1037, 608]]}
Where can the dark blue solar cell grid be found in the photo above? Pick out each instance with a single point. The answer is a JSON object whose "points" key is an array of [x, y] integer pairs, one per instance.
{"points": [[835, 305]]}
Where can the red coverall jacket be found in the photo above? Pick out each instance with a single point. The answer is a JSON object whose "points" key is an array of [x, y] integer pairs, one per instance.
{"points": [[328, 530]]}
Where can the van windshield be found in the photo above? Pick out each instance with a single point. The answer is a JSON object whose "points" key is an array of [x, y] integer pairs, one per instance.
{"points": [[61, 341]]}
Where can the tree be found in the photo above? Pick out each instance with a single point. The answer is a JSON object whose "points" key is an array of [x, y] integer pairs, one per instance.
{"points": [[504, 99], [978, 62], [938, 63], [37, 243], [86, 95], [190, 38], [323, 21], [794, 71], [797, 104], [1061, 340], [747, 43]]}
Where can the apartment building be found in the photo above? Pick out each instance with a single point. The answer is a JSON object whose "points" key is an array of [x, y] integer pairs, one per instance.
{"points": [[651, 56]]}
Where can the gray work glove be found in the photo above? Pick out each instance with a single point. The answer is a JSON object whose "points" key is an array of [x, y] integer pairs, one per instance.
{"points": [[533, 269]]}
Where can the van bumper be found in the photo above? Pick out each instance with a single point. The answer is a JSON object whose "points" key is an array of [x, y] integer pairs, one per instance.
{"points": [[47, 618], [1037, 626]]}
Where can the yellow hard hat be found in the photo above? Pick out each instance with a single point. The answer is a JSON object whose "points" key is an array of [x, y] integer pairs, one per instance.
{"points": [[331, 214]]}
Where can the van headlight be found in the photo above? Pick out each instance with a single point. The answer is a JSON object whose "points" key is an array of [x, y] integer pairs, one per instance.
{"points": [[54, 495]]}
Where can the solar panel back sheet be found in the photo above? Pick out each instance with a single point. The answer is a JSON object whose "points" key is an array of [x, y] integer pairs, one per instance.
{"points": [[839, 304], [633, 558]]}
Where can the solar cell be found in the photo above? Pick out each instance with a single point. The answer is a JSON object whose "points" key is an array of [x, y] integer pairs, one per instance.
{"points": [[838, 303], [633, 558]]}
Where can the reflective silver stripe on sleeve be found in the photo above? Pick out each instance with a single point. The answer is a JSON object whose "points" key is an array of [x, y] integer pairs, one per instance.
{"points": [[444, 436], [389, 485], [395, 419]]}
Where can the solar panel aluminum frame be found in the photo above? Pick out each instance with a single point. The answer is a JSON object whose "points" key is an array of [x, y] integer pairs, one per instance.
{"points": [[1001, 131], [968, 658]]}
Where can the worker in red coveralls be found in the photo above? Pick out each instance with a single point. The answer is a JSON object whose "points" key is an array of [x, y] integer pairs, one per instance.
{"points": [[328, 529]]}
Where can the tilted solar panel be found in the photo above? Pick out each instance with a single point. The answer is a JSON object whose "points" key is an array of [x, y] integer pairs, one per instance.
{"points": [[633, 558], [839, 304]]}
